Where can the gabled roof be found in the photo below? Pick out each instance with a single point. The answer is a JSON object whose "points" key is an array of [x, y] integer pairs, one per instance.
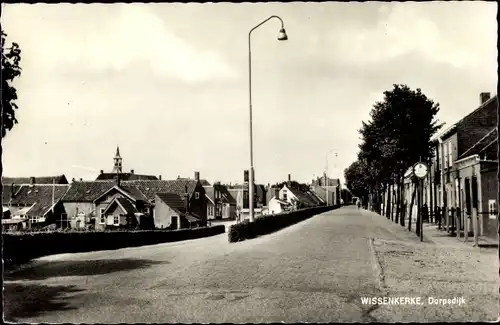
{"points": [[87, 191], [58, 179], [125, 204], [150, 188], [129, 191], [301, 196], [40, 196], [125, 177], [204, 182], [173, 200]]}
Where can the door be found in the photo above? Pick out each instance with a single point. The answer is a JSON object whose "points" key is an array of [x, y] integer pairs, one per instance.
{"points": [[175, 222]]}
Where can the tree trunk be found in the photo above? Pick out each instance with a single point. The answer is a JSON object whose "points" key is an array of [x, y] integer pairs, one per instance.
{"points": [[402, 201], [398, 200], [411, 207], [388, 202]]}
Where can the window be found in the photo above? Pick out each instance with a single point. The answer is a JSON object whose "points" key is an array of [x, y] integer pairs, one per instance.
{"points": [[284, 195], [197, 195], [102, 217], [116, 220], [438, 158], [445, 156], [450, 154], [492, 208]]}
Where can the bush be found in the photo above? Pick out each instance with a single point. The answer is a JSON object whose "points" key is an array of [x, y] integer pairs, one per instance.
{"points": [[271, 223], [21, 247]]}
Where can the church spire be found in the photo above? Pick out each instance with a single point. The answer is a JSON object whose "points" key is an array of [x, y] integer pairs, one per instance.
{"points": [[117, 162]]}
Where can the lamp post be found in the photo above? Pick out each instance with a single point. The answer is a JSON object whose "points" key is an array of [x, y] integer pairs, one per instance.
{"points": [[281, 37], [327, 182]]}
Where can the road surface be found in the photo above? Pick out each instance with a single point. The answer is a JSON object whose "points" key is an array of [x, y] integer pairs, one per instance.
{"points": [[314, 271]]}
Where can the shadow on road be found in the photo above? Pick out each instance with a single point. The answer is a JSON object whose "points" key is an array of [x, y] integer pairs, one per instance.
{"points": [[77, 268], [23, 300]]}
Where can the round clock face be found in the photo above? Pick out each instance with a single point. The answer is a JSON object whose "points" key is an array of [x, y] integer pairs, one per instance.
{"points": [[420, 170]]}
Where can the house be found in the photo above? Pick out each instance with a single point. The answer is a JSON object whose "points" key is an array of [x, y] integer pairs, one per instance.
{"points": [[297, 198], [118, 172], [276, 204], [57, 179], [325, 194], [463, 171], [79, 202], [123, 206], [36, 205], [331, 187], [221, 204], [181, 186], [172, 212]]}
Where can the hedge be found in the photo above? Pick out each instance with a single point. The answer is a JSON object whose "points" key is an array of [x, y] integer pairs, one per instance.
{"points": [[270, 223], [18, 248]]}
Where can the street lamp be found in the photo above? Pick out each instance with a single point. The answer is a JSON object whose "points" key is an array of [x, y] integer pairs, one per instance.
{"points": [[327, 178], [281, 37]]}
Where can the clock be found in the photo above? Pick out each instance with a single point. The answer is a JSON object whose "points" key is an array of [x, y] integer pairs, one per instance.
{"points": [[420, 170]]}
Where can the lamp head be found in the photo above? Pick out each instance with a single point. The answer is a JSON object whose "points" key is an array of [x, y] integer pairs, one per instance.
{"points": [[282, 35]]}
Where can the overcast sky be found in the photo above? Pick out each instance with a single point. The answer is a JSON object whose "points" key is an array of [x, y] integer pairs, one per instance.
{"points": [[168, 83]]}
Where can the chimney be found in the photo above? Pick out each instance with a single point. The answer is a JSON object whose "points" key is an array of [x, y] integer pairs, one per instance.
{"points": [[81, 179], [289, 177], [245, 176], [32, 181], [102, 171], [484, 97], [131, 171], [196, 176], [159, 177], [73, 180]]}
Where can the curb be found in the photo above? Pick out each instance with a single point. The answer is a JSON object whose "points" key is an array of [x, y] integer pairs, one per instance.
{"points": [[377, 267]]}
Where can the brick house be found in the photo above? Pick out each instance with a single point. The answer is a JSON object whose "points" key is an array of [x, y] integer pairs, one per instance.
{"points": [[462, 171]]}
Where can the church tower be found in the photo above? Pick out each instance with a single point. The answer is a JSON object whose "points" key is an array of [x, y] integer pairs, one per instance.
{"points": [[118, 162]]}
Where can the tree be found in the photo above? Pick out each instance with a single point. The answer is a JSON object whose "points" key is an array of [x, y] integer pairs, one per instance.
{"points": [[397, 136], [10, 70]]}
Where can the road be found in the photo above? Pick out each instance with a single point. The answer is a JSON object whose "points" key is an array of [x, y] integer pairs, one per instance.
{"points": [[314, 271]]}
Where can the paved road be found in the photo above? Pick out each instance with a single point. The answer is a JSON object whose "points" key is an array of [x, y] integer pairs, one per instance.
{"points": [[314, 271]]}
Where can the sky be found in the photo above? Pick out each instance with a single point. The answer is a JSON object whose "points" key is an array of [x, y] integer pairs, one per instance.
{"points": [[168, 83]]}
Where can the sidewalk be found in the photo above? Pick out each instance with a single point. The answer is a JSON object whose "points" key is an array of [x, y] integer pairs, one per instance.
{"points": [[442, 237]]}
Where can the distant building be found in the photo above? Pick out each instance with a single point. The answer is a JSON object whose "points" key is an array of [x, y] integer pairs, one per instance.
{"points": [[118, 172], [57, 179]]}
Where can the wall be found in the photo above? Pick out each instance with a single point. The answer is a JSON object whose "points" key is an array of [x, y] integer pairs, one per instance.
{"points": [[73, 208], [199, 205], [274, 206], [489, 189], [163, 214]]}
